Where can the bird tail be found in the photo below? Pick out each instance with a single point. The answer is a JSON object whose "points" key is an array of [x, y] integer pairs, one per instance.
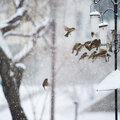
{"points": [[66, 35]]}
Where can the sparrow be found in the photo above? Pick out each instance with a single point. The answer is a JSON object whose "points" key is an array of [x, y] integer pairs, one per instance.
{"points": [[69, 30], [102, 53], [83, 56], [88, 45], [45, 83], [77, 47], [95, 44], [92, 54], [92, 34]]}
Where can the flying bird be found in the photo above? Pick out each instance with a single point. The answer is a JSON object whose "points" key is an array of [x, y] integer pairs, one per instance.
{"points": [[45, 83], [88, 45], [83, 56], [95, 44], [102, 53], [69, 30], [77, 47], [92, 54]]}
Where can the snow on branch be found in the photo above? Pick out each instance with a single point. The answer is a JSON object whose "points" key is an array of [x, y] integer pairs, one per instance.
{"points": [[14, 21], [32, 41], [4, 47]]}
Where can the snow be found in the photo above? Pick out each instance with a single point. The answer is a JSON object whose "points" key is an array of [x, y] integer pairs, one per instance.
{"points": [[103, 24], [4, 47], [111, 82], [95, 13], [19, 12], [11, 73], [64, 106], [21, 65]]}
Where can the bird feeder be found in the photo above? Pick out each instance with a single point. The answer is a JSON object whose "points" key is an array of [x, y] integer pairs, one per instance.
{"points": [[111, 82], [103, 32], [94, 17]]}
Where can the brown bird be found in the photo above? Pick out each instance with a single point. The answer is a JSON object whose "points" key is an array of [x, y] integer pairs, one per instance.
{"points": [[69, 30], [102, 53], [95, 44], [77, 47], [83, 56], [88, 45], [92, 54], [45, 83], [92, 34]]}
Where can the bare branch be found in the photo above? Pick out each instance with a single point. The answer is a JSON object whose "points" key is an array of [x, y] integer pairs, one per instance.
{"points": [[14, 21], [32, 41], [17, 34]]}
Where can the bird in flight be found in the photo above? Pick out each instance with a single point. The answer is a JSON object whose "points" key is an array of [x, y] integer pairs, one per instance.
{"points": [[69, 30], [83, 56]]}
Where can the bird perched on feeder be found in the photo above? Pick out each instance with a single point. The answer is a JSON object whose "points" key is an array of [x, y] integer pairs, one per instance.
{"points": [[69, 30], [77, 47], [88, 45], [92, 34], [45, 83], [95, 44], [92, 54], [83, 56]]}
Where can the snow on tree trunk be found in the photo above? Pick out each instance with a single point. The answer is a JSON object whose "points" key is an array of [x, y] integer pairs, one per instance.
{"points": [[10, 85]]}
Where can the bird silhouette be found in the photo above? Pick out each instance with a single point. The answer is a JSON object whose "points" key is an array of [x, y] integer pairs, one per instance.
{"points": [[92, 34], [83, 56], [77, 47], [69, 30], [45, 83], [88, 45], [92, 54]]}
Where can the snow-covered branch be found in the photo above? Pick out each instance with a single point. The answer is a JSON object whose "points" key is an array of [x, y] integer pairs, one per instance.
{"points": [[14, 21], [32, 41]]}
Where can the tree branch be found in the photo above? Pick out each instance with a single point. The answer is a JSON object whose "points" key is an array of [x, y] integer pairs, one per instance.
{"points": [[32, 41], [14, 21]]}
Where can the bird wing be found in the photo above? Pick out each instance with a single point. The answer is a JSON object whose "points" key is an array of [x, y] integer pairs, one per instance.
{"points": [[66, 28]]}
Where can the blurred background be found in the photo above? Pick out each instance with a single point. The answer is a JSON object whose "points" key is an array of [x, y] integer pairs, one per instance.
{"points": [[75, 81]]}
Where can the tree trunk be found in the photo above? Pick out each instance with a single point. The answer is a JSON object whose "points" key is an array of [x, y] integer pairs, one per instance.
{"points": [[10, 85]]}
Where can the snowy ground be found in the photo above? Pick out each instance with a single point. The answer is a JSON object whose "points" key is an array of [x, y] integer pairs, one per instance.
{"points": [[65, 108]]}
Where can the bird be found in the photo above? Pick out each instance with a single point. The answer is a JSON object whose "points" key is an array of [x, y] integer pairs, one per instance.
{"points": [[77, 47], [88, 45], [45, 83], [83, 55], [102, 53], [92, 54], [69, 30], [92, 34], [95, 44]]}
